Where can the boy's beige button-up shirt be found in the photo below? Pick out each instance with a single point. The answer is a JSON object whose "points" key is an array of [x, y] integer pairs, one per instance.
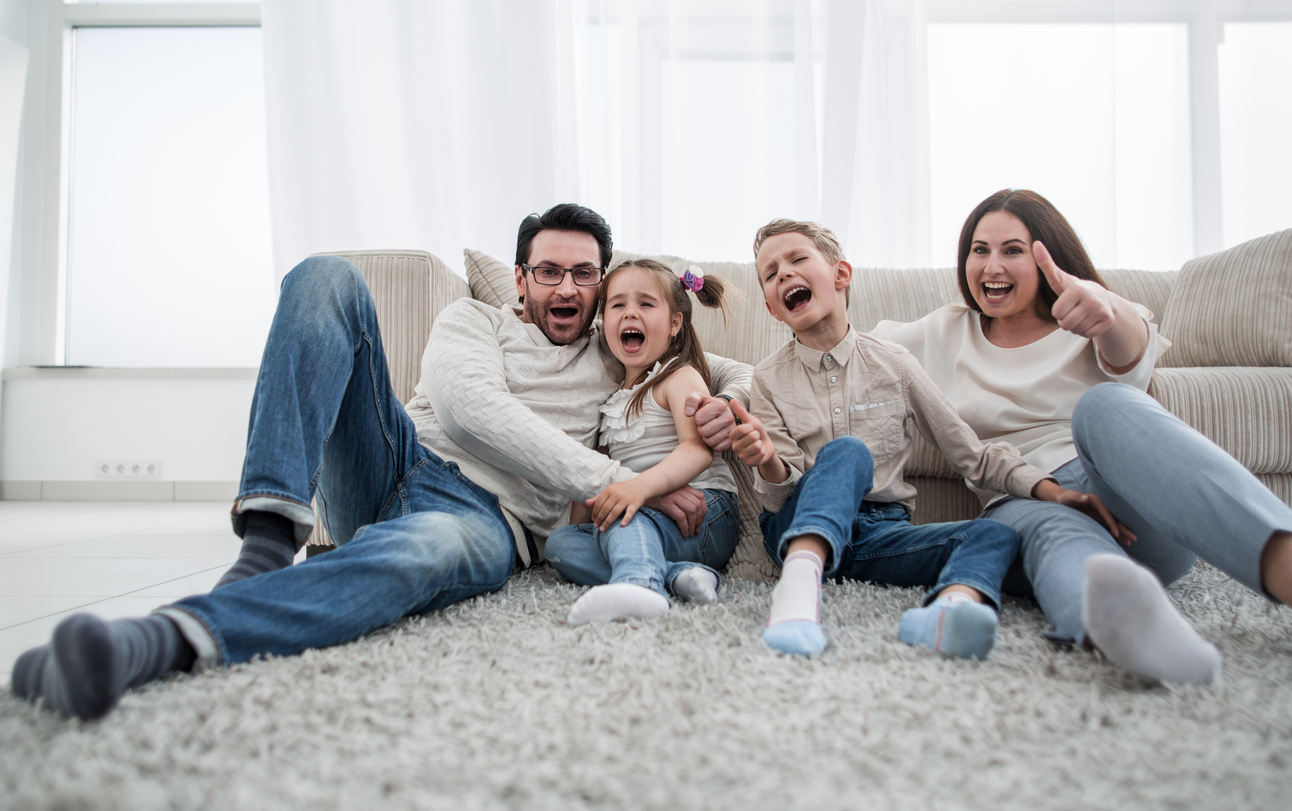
{"points": [[869, 388]]}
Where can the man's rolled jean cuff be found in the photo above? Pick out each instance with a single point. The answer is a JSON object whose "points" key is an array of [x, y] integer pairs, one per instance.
{"points": [[196, 634], [301, 515]]}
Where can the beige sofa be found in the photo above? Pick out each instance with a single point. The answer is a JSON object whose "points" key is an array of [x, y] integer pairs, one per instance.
{"points": [[1228, 374]]}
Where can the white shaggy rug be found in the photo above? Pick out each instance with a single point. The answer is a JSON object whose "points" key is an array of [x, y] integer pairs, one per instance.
{"points": [[496, 703]]}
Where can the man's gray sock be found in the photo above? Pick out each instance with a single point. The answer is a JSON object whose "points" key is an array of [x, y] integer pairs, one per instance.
{"points": [[89, 663], [268, 544]]}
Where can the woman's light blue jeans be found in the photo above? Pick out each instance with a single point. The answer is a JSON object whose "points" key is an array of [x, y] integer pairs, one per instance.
{"points": [[877, 542], [650, 551], [1180, 494], [413, 534]]}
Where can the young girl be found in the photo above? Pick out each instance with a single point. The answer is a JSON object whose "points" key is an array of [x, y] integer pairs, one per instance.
{"points": [[632, 561]]}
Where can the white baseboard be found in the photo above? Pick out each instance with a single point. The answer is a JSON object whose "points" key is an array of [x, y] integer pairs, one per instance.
{"points": [[117, 491]]}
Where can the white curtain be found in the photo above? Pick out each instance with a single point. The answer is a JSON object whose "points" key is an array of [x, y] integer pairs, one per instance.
{"points": [[439, 125]]}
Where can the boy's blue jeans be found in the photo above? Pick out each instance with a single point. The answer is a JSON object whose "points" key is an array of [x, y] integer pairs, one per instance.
{"points": [[413, 534], [650, 551], [877, 542]]}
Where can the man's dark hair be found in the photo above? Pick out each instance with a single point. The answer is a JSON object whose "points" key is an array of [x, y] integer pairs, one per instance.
{"points": [[564, 217]]}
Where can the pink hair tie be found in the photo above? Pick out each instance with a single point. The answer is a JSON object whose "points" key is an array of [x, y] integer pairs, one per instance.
{"points": [[693, 278]]}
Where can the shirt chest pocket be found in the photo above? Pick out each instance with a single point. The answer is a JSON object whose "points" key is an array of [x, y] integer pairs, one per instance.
{"points": [[881, 425]]}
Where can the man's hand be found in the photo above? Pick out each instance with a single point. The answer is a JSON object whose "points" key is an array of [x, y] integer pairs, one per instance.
{"points": [[713, 419], [685, 505]]}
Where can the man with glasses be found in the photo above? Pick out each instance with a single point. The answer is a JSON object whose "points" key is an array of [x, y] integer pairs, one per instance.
{"points": [[429, 505]]}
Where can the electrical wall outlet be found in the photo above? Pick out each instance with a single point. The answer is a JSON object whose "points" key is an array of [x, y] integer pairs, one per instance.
{"points": [[117, 469]]}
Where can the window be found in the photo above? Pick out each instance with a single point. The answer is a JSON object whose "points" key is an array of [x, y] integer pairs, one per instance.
{"points": [[168, 258]]}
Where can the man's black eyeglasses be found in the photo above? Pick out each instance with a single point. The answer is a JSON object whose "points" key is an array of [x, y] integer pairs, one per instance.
{"points": [[550, 276]]}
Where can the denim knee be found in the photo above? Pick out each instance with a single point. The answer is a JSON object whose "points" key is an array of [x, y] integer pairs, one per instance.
{"points": [[1091, 410], [330, 276], [846, 450]]}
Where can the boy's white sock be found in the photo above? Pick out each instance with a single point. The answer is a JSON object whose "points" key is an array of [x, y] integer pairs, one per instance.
{"points": [[697, 585], [1129, 617], [797, 597], [794, 625], [616, 601]]}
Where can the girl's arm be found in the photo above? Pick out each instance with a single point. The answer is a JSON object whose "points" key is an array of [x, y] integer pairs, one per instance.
{"points": [[689, 459]]}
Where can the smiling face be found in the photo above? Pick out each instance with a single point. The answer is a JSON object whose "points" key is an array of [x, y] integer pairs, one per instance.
{"points": [[639, 324], [564, 312], [802, 288], [1002, 274]]}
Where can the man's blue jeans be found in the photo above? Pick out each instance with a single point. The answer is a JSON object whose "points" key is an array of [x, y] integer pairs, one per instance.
{"points": [[413, 534], [650, 551], [877, 542]]}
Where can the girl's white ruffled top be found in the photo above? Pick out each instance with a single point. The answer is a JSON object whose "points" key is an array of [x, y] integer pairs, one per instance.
{"points": [[641, 440]]}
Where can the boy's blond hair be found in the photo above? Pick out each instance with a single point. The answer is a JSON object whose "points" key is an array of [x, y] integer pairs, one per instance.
{"points": [[823, 238]]}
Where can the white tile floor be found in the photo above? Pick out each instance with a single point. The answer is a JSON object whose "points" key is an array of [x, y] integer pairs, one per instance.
{"points": [[113, 559]]}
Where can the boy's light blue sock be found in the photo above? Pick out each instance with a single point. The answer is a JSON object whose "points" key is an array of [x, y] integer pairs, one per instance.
{"points": [[953, 626], [794, 625]]}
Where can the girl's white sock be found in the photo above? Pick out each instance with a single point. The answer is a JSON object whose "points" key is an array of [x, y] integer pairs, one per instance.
{"points": [[615, 601], [697, 585]]}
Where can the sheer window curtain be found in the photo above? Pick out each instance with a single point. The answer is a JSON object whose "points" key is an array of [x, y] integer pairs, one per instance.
{"points": [[439, 125]]}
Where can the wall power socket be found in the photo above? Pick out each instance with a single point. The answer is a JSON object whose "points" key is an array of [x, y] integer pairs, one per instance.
{"points": [[117, 469]]}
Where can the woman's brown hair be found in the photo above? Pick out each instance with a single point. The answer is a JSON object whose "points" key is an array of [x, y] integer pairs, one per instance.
{"points": [[1045, 224], [686, 344]]}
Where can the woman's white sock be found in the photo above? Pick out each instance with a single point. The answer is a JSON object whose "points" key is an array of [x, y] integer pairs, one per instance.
{"points": [[1131, 620]]}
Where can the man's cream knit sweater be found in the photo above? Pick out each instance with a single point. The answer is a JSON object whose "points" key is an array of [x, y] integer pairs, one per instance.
{"points": [[519, 414]]}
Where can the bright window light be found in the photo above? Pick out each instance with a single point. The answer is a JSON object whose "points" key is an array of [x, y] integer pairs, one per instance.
{"points": [[1256, 129], [168, 259], [1094, 117], [727, 158]]}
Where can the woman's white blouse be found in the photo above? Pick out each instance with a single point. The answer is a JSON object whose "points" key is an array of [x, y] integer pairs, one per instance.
{"points": [[1022, 395]]}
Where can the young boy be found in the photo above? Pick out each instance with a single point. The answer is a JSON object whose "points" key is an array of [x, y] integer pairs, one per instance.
{"points": [[827, 436]]}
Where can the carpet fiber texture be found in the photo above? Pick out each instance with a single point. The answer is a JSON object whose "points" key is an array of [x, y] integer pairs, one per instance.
{"points": [[496, 703]]}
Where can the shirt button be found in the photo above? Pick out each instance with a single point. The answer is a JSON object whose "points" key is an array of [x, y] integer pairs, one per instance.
{"points": [[829, 357], [834, 380], [837, 410]]}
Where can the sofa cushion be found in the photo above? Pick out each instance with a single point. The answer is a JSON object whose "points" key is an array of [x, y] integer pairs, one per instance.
{"points": [[492, 281], [1245, 410], [1232, 308]]}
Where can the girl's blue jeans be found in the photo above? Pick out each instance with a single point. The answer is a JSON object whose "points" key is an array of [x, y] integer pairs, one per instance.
{"points": [[877, 542], [650, 551], [413, 534]]}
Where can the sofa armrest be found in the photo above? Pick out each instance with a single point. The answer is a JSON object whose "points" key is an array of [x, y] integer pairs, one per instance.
{"points": [[409, 289], [1246, 410]]}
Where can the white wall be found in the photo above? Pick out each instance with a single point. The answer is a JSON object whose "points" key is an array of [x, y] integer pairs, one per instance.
{"points": [[56, 424], [59, 424]]}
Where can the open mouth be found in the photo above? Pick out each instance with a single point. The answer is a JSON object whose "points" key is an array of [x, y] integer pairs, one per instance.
{"points": [[564, 313], [995, 291], [632, 339], [796, 298]]}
